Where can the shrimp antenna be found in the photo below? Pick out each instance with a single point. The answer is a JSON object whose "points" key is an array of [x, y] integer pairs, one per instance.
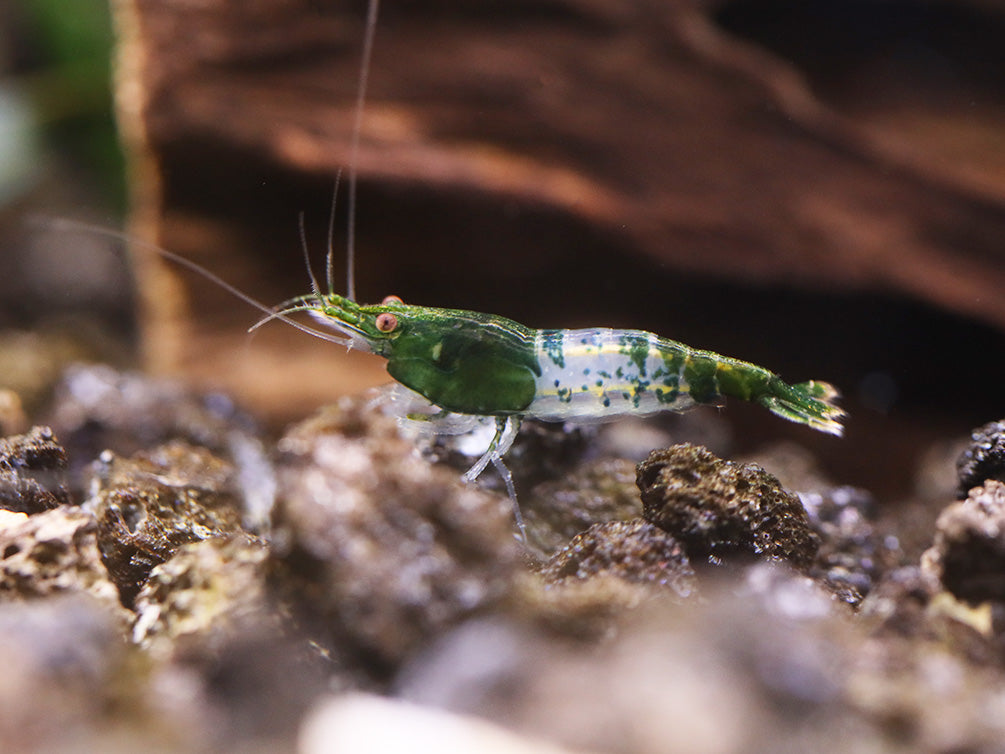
{"points": [[270, 312], [307, 255], [331, 238], [364, 77]]}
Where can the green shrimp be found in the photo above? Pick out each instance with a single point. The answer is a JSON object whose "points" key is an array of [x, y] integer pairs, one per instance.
{"points": [[466, 362], [470, 365]]}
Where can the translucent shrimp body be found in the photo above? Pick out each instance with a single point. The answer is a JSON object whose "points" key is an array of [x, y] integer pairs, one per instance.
{"points": [[600, 373], [482, 364]]}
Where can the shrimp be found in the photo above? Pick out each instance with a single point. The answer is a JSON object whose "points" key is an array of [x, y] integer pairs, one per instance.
{"points": [[469, 366], [472, 363]]}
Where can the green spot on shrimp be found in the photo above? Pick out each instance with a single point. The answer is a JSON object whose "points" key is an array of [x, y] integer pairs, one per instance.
{"points": [[640, 387], [699, 373], [667, 397], [673, 357], [636, 347], [552, 342]]}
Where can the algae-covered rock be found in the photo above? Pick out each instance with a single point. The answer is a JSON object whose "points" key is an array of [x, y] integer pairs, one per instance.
{"points": [[968, 554], [206, 593], [379, 547], [717, 508], [984, 457], [149, 505], [51, 553], [31, 472], [635, 551]]}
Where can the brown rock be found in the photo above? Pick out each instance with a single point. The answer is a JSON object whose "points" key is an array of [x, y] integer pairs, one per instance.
{"points": [[53, 552], [149, 505], [717, 508], [382, 549], [968, 554], [32, 470], [635, 551]]}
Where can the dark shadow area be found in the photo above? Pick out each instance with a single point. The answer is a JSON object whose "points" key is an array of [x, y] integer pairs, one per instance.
{"points": [[860, 45]]}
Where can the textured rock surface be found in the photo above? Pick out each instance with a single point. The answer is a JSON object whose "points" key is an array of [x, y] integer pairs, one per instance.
{"points": [[854, 552], [984, 457], [32, 468], [388, 574], [598, 490], [149, 505], [968, 555], [717, 508], [208, 592], [382, 548], [51, 553], [635, 551], [97, 408]]}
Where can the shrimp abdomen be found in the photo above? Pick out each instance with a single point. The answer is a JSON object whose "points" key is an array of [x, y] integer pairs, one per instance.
{"points": [[600, 373]]}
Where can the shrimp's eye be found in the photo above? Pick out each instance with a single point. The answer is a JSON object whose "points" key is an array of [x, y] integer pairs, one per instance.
{"points": [[392, 300], [386, 322]]}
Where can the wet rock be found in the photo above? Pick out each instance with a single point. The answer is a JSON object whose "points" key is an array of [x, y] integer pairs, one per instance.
{"points": [[910, 603], [208, 592], [208, 613], [968, 554], [149, 505], [718, 508], [922, 696], [597, 491], [53, 552], [899, 602], [31, 472], [777, 665], [984, 457], [97, 408], [258, 684], [854, 553], [382, 549], [635, 551], [855, 550]]}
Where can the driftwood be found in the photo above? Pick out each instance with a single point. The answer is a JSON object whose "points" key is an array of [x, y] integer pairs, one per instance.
{"points": [[563, 163]]}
